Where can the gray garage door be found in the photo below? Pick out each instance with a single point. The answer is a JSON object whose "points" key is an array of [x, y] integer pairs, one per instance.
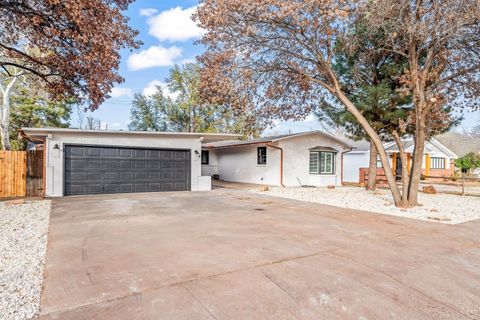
{"points": [[94, 170]]}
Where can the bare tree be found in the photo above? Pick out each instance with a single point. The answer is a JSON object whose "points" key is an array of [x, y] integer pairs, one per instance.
{"points": [[441, 40]]}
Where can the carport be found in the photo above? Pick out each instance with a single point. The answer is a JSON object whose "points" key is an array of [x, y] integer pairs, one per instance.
{"points": [[80, 162]]}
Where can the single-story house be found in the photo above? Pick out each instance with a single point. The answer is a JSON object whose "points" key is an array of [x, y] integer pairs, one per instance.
{"points": [[78, 162], [438, 160], [308, 158]]}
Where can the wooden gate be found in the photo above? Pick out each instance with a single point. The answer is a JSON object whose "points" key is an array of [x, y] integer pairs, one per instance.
{"points": [[13, 174], [35, 173]]}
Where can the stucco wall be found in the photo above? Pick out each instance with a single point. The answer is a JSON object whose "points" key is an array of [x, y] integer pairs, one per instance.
{"points": [[55, 158], [212, 167], [239, 164], [297, 161], [352, 162]]}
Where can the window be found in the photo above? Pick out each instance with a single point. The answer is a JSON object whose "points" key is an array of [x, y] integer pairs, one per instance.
{"points": [[205, 157], [437, 163], [322, 162], [262, 155], [379, 162]]}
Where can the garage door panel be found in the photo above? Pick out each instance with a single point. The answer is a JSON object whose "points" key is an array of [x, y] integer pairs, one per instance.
{"points": [[93, 170]]}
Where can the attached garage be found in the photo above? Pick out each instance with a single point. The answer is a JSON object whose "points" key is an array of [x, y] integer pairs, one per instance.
{"points": [[82, 162], [94, 170]]}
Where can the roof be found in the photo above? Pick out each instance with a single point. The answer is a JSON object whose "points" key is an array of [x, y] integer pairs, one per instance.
{"points": [[358, 146], [323, 148], [43, 132], [459, 143], [269, 139], [431, 146]]}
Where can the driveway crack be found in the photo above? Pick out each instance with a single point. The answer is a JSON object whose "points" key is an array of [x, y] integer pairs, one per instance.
{"points": [[200, 302]]}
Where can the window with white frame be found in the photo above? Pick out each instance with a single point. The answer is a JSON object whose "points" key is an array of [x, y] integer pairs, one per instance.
{"points": [[379, 162], [322, 162], [437, 163]]}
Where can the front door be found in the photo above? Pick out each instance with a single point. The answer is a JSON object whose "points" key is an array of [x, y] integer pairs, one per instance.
{"points": [[398, 167]]}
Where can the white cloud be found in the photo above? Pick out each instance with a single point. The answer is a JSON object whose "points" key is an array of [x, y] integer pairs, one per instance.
{"points": [[147, 12], [118, 92], [152, 86], [155, 56], [116, 124], [174, 24]]}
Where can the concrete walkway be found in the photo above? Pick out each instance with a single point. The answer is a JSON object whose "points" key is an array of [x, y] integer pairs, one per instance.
{"points": [[230, 254]]}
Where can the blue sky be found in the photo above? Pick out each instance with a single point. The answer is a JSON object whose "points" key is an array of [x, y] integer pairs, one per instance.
{"points": [[168, 37]]}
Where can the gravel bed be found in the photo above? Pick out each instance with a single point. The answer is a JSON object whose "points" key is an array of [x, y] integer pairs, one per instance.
{"points": [[443, 208], [23, 244]]}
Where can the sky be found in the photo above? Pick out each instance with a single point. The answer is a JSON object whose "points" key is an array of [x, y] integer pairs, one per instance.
{"points": [[168, 37]]}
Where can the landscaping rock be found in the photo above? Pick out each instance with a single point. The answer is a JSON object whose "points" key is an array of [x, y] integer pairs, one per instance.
{"points": [[429, 190], [331, 187], [454, 207], [263, 189], [23, 244]]}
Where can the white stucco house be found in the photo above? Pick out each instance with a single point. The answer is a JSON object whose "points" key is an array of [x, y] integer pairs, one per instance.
{"points": [[78, 162], [438, 160], [309, 158]]}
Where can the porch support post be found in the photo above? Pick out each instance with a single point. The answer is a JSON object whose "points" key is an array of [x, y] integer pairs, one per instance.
{"points": [[427, 164]]}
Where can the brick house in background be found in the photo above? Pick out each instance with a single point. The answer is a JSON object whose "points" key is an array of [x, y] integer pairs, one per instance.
{"points": [[438, 160]]}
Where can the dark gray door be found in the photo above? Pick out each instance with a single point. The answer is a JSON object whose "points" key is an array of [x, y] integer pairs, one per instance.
{"points": [[95, 169]]}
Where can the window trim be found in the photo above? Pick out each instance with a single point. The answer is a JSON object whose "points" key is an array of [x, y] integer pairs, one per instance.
{"points": [[259, 161], [206, 152], [319, 164], [440, 160]]}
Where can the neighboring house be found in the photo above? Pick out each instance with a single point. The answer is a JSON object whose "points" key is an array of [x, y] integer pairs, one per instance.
{"points": [[96, 162], [308, 158], [438, 160]]}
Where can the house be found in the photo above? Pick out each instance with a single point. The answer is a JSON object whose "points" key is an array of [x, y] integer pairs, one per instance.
{"points": [[308, 158], [78, 162], [438, 160]]}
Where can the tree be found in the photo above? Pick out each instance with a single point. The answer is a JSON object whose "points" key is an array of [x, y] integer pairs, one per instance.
{"points": [[187, 112], [440, 40], [8, 81], [150, 114], [36, 111], [468, 162], [280, 55], [70, 46], [371, 82]]}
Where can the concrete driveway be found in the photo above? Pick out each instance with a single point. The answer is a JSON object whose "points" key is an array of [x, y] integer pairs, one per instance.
{"points": [[230, 254]]}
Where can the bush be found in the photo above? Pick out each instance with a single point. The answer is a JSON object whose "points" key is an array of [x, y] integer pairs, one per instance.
{"points": [[468, 162]]}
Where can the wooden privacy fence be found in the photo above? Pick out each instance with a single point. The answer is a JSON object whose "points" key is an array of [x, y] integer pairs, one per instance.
{"points": [[13, 174], [21, 174]]}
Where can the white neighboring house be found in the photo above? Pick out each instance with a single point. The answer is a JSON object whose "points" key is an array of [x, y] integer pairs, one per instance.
{"points": [[438, 160], [308, 158]]}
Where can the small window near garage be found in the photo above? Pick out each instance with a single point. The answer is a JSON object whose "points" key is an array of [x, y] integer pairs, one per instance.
{"points": [[437, 163], [322, 162], [262, 155], [205, 157]]}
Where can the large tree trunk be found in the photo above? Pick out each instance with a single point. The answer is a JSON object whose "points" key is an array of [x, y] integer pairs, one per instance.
{"points": [[417, 161], [372, 168], [375, 139], [5, 114]]}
